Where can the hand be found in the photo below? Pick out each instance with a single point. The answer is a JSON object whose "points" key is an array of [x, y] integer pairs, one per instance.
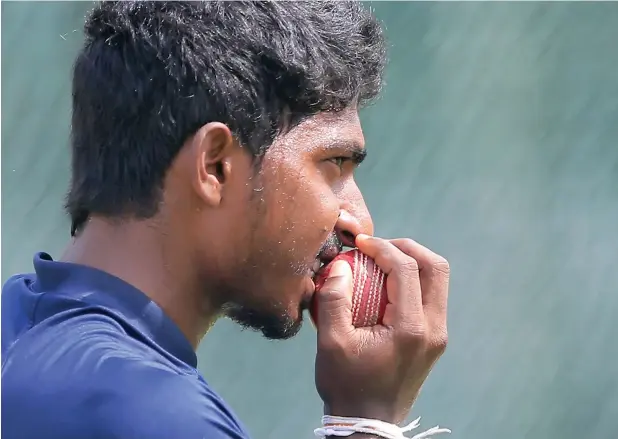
{"points": [[377, 372]]}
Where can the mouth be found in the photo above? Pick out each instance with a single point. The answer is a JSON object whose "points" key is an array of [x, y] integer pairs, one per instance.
{"points": [[326, 255]]}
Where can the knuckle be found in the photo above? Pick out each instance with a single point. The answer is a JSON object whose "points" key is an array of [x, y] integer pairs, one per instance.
{"points": [[413, 335], [441, 265], [328, 292], [420, 339], [439, 342], [409, 264], [333, 296]]}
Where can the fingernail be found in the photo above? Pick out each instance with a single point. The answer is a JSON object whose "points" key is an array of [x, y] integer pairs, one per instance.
{"points": [[340, 269], [362, 237]]}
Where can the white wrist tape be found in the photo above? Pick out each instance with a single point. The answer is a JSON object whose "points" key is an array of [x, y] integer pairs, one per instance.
{"points": [[341, 426]]}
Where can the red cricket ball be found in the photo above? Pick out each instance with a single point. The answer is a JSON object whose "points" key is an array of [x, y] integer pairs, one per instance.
{"points": [[369, 297]]}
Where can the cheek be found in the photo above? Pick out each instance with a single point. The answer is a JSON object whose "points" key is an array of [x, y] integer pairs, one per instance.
{"points": [[326, 211], [312, 215], [301, 207], [303, 212], [320, 204]]}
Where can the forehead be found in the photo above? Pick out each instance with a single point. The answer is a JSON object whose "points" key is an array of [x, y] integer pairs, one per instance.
{"points": [[320, 132]]}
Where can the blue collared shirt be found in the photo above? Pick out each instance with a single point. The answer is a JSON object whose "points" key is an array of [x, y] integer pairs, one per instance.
{"points": [[86, 355]]}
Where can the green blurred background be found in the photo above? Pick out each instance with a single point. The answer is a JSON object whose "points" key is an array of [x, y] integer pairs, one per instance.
{"points": [[495, 143]]}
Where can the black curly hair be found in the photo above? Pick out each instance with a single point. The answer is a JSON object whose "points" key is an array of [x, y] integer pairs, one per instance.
{"points": [[151, 73]]}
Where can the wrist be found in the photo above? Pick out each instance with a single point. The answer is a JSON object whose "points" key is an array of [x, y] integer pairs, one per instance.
{"points": [[378, 412], [362, 428]]}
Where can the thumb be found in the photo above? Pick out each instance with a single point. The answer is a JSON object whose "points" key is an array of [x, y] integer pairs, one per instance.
{"points": [[334, 299]]}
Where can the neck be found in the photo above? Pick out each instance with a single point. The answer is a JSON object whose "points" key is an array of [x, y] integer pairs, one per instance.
{"points": [[154, 262]]}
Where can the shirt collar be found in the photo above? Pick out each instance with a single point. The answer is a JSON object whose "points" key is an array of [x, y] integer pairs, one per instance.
{"points": [[97, 287]]}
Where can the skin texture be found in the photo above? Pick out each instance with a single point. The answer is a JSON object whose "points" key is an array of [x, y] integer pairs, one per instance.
{"points": [[213, 162], [377, 372], [238, 238], [234, 239], [270, 231]]}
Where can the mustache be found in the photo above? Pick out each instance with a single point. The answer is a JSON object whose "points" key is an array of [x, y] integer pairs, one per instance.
{"points": [[329, 249]]}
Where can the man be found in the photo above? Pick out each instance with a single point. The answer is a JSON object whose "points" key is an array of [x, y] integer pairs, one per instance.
{"points": [[213, 152]]}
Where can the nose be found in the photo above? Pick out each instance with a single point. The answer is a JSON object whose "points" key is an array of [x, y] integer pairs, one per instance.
{"points": [[352, 221]]}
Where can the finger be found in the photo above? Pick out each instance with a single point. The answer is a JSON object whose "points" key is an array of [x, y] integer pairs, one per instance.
{"points": [[334, 301], [402, 281], [434, 273]]}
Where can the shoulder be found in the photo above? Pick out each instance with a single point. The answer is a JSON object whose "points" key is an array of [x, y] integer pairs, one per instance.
{"points": [[159, 404], [114, 386]]}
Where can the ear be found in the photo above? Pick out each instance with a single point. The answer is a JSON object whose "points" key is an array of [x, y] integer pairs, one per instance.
{"points": [[213, 148]]}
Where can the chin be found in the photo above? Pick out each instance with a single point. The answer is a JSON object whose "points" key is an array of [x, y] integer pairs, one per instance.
{"points": [[274, 325], [280, 333]]}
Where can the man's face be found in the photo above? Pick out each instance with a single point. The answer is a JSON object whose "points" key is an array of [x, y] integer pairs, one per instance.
{"points": [[295, 210]]}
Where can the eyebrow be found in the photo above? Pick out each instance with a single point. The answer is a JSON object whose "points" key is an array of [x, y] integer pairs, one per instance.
{"points": [[354, 149]]}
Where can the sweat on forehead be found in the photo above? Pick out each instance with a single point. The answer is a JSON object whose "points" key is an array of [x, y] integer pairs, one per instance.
{"points": [[336, 131]]}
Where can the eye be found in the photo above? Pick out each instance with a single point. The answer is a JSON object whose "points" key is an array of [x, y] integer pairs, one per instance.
{"points": [[339, 161]]}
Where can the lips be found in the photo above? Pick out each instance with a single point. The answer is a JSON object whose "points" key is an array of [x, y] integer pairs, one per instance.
{"points": [[326, 255], [330, 252], [330, 249]]}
